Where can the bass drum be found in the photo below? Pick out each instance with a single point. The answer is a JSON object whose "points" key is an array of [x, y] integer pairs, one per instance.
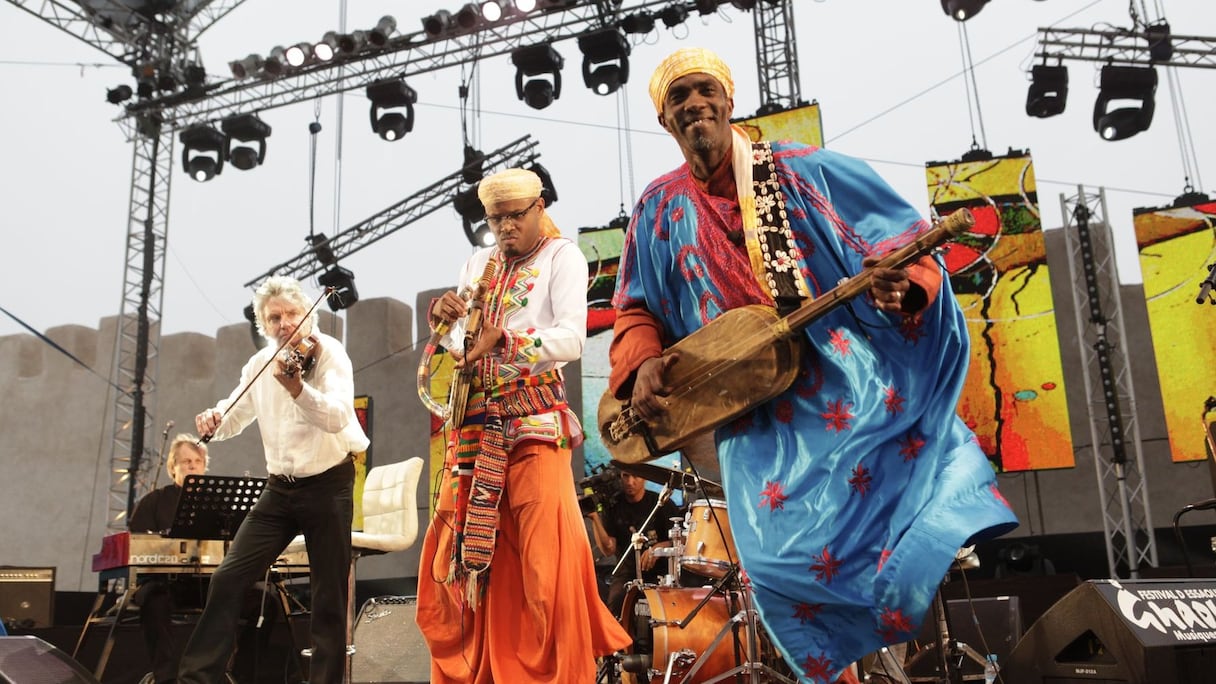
{"points": [[649, 614]]}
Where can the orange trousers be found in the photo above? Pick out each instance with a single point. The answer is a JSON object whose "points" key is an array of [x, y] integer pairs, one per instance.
{"points": [[540, 620]]}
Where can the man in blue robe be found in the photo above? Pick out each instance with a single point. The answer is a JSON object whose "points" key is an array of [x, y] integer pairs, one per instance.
{"points": [[851, 492]]}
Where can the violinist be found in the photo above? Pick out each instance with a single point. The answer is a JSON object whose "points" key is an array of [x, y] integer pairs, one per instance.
{"points": [[304, 405]]}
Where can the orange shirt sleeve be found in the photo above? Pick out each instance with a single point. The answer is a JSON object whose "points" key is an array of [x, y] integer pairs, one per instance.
{"points": [[637, 336], [925, 274]]}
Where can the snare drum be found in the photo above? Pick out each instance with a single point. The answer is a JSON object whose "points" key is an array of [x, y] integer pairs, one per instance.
{"points": [[650, 615], [709, 548]]}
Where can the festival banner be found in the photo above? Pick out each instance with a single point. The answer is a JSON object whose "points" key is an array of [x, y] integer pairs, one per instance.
{"points": [[1013, 397], [1176, 253]]}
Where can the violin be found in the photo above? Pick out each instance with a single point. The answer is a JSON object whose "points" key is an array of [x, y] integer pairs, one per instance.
{"points": [[301, 356]]}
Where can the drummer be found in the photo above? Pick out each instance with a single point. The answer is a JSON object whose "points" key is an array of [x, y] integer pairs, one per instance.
{"points": [[614, 530]]}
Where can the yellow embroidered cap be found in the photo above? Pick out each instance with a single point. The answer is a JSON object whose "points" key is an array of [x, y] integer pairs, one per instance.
{"points": [[511, 184], [688, 61]]}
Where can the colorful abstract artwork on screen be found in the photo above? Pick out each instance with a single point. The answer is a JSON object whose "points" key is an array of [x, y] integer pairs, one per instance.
{"points": [[1176, 250], [1014, 395]]}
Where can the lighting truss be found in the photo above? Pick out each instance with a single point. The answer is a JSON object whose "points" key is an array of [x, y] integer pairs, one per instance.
{"points": [[1121, 46], [437, 195], [116, 41], [403, 56]]}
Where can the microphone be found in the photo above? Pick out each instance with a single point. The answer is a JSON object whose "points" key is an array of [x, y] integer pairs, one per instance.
{"points": [[1205, 288], [168, 427], [1207, 504]]}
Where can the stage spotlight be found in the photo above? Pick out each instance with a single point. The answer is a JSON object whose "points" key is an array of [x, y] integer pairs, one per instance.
{"points": [[673, 15], [321, 249], [144, 88], [1160, 44], [1131, 86], [478, 235], [244, 68], [246, 128], [203, 139], [166, 81], [344, 293], [493, 10], [707, 6], [468, 205], [195, 75], [474, 165], [744, 4], [119, 94], [384, 29], [350, 43], [548, 191], [276, 61], [1048, 90], [468, 17], [605, 60], [387, 94], [638, 22], [298, 55], [525, 6], [555, 5], [962, 10], [438, 23], [327, 48], [534, 61]]}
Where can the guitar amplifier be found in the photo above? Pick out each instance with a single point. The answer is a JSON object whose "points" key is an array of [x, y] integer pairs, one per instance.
{"points": [[389, 649], [27, 597]]}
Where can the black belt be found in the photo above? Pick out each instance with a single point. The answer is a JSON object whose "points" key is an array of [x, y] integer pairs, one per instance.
{"points": [[293, 481]]}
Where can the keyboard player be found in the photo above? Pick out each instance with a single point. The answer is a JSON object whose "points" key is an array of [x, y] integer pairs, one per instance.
{"points": [[158, 596]]}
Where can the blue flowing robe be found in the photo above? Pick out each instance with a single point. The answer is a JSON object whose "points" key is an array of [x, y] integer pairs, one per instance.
{"points": [[850, 493]]}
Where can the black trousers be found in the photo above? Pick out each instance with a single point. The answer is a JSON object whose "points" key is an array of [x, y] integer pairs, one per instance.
{"points": [[320, 507]]}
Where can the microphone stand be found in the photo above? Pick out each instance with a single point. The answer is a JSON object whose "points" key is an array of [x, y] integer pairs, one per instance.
{"points": [[160, 460], [664, 497], [1197, 506]]}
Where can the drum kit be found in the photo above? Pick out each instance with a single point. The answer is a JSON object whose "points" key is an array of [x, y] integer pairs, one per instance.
{"points": [[692, 634]]}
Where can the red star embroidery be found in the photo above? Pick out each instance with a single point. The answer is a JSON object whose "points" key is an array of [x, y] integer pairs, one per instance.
{"points": [[808, 382], [894, 401], [825, 566], [882, 558], [784, 411], [999, 497], [910, 446], [677, 213], [840, 341], [838, 415], [772, 496], [894, 626], [912, 328], [860, 481], [818, 669], [807, 612]]}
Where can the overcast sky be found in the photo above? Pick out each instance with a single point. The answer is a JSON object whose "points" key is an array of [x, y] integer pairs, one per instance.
{"points": [[887, 74]]}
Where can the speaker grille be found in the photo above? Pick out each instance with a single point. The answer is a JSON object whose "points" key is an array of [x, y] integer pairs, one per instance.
{"points": [[389, 649]]}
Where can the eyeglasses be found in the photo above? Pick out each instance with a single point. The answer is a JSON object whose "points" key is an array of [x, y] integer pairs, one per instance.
{"points": [[502, 219]]}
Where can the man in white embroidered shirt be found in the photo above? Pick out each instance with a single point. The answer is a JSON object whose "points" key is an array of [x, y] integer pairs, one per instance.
{"points": [[304, 404]]}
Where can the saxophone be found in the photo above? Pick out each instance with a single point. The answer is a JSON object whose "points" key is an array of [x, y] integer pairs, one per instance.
{"points": [[453, 412]]}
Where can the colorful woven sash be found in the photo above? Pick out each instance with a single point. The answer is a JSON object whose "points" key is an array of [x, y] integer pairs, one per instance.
{"points": [[481, 454]]}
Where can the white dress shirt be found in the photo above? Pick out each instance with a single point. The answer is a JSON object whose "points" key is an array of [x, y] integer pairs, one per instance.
{"points": [[306, 435]]}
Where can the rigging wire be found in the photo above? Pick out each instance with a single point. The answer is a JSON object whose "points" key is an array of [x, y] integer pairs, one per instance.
{"points": [[974, 115]]}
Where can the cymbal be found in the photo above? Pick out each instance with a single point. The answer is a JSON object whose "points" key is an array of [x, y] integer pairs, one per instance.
{"points": [[679, 479]]}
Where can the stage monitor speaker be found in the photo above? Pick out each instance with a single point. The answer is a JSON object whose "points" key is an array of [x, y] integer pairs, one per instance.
{"points": [[27, 597], [1133, 631], [30, 660], [389, 649]]}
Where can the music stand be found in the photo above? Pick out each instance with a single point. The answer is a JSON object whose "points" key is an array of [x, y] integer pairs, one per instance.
{"points": [[213, 506]]}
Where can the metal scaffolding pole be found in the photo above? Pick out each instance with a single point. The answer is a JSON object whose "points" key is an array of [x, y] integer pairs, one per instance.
{"points": [[776, 56], [137, 347], [1110, 395]]}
